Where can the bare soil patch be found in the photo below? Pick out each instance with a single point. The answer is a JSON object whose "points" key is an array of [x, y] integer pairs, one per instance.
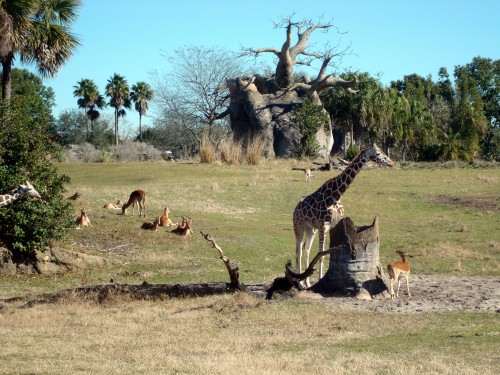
{"points": [[487, 204], [433, 293]]}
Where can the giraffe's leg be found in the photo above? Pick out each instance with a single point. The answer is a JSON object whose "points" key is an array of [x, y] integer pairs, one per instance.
{"points": [[310, 233], [322, 230], [299, 242]]}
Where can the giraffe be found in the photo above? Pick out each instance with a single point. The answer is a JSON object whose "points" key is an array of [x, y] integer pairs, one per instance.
{"points": [[322, 209], [25, 188]]}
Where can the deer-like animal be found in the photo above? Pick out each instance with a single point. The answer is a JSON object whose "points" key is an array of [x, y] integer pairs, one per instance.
{"points": [[82, 220], [113, 206], [165, 221], [396, 269], [136, 197], [151, 225], [184, 228], [307, 172]]}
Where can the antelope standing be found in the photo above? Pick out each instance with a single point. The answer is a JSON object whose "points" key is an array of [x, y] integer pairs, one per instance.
{"points": [[396, 269], [139, 197]]}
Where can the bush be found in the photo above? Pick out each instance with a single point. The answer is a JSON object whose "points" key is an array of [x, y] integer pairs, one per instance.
{"points": [[352, 152], [309, 118], [124, 152], [26, 152], [134, 151]]}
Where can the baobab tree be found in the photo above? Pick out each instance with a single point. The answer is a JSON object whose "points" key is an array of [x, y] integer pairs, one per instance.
{"points": [[264, 106]]}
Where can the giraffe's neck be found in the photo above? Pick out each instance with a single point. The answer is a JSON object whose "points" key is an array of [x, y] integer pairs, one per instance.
{"points": [[337, 186], [7, 199]]}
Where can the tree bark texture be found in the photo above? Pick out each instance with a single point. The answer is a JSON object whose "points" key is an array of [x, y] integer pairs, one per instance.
{"points": [[259, 109], [354, 270]]}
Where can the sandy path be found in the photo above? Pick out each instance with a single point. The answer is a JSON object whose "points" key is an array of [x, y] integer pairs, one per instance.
{"points": [[431, 293]]}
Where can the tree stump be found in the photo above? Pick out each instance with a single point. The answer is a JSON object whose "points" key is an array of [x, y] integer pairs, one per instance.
{"points": [[355, 269]]}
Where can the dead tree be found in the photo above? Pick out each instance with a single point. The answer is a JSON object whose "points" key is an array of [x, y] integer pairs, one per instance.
{"points": [[292, 278], [264, 106], [355, 270], [232, 268]]}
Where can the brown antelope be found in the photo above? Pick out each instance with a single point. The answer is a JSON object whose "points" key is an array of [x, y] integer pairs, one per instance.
{"points": [[184, 227], [83, 220], [165, 221], [151, 225], [139, 197], [307, 172], [395, 269], [113, 206]]}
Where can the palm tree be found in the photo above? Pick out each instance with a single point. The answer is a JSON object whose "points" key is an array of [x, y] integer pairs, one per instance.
{"points": [[38, 31], [118, 92], [141, 93], [88, 98]]}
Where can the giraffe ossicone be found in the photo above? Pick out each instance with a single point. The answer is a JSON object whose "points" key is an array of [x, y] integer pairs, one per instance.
{"points": [[25, 188], [322, 209]]}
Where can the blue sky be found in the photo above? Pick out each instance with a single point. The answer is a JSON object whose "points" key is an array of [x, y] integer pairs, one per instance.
{"points": [[394, 37]]}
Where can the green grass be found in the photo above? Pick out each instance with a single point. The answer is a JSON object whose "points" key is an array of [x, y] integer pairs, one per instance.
{"points": [[248, 210]]}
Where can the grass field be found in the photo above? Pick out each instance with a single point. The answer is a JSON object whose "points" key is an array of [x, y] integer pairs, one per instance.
{"points": [[448, 218]]}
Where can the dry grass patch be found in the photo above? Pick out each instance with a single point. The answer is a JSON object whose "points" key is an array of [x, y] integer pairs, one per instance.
{"points": [[224, 334]]}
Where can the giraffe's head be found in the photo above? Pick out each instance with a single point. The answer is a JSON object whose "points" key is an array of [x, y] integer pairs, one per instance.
{"points": [[28, 189], [377, 155]]}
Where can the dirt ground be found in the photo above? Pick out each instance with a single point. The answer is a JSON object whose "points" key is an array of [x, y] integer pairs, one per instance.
{"points": [[431, 293]]}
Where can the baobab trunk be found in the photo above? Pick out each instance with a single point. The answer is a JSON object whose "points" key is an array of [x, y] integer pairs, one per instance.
{"points": [[264, 106]]}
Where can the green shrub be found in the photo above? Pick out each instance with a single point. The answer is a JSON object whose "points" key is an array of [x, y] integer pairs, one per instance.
{"points": [[27, 152], [309, 118], [352, 152]]}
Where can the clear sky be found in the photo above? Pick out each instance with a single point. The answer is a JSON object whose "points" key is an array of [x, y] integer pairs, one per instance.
{"points": [[394, 37]]}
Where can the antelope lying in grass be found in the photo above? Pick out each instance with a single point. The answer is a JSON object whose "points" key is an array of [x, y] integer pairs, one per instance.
{"points": [[83, 220], [148, 225], [139, 197], [165, 221], [113, 206], [184, 227], [396, 269]]}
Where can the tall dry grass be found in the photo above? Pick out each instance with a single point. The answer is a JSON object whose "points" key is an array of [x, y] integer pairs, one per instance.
{"points": [[255, 148], [231, 152], [207, 150]]}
